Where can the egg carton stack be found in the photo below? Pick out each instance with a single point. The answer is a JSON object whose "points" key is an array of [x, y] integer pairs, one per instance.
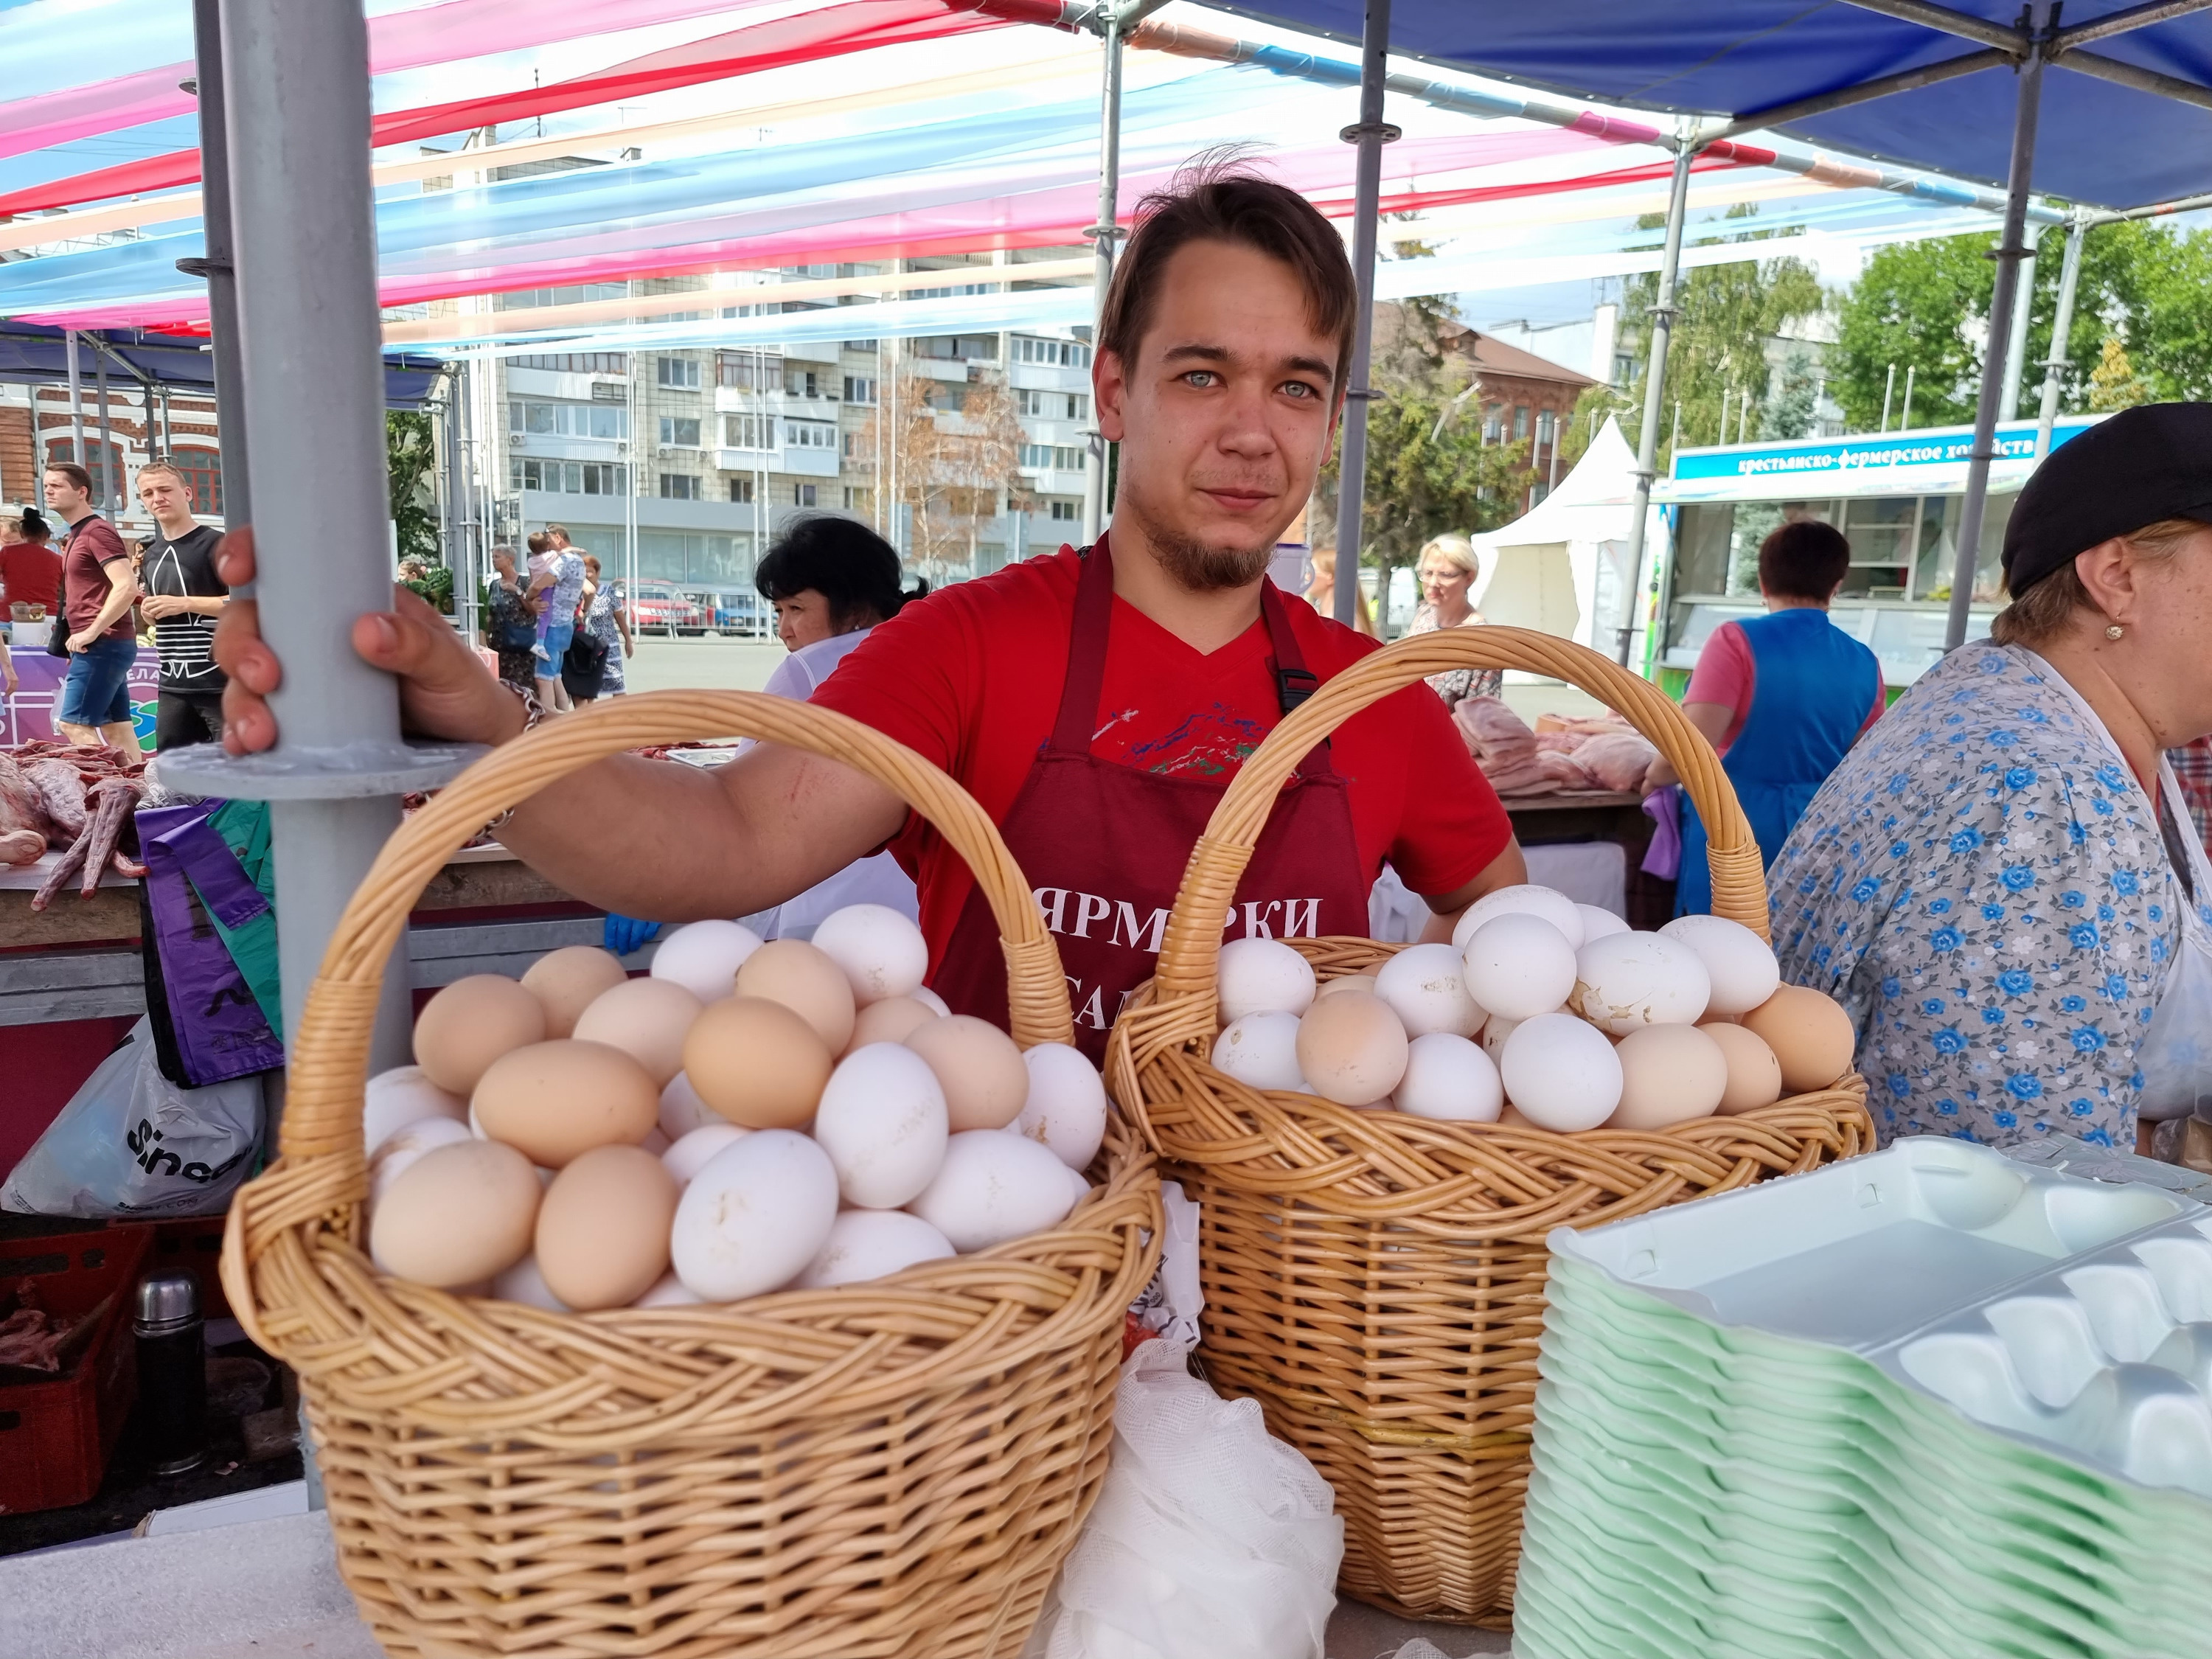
{"points": [[752, 1117], [1921, 1405], [1541, 1013]]}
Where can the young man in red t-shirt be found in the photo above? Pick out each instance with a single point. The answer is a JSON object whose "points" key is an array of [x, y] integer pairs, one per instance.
{"points": [[1095, 703], [98, 589]]}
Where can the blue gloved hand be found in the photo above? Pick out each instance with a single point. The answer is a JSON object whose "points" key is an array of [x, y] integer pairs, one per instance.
{"points": [[624, 934]]}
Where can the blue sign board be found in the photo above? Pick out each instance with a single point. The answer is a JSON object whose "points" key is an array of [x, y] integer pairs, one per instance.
{"points": [[1815, 457]]}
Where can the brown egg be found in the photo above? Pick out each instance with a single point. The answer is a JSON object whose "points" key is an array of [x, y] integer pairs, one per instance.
{"points": [[472, 1022], [1351, 1049], [1668, 1074], [459, 1215], [554, 1102], [602, 1236], [756, 1062], [985, 1081], [795, 974], [566, 981], [892, 1020], [1755, 1080], [1330, 988], [646, 1018], [1810, 1034], [1511, 1114]]}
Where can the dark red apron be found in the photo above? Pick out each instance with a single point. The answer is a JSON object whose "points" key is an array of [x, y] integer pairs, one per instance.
{"points": [[1106, 844]]}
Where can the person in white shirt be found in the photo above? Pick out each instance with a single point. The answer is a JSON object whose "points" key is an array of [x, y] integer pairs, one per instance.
{"points": [[832, 579]]}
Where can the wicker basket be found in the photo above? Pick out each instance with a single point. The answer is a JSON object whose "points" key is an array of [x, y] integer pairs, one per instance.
{"points": [[1377, 1280], [890, 1468]]}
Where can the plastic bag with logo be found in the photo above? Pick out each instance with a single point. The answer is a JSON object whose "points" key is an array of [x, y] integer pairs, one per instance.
{"points": [[132, 1144], [1211, 1539]]}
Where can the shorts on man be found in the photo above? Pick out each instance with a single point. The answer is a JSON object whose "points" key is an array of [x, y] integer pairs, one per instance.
{"points": [[96, 692]]}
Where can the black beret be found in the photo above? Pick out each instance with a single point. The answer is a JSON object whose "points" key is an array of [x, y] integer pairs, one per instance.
{"points": [[2143, 464]]}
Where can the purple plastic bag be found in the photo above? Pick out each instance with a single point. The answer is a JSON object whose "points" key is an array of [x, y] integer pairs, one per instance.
{"points": [[1663, 857], [220, 1032]]}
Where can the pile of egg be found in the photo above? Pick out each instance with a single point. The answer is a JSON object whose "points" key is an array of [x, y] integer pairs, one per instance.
{"points": [[1540, 1012], [749, 1118]]}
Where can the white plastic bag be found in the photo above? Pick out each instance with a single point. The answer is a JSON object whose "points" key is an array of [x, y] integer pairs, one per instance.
{"points": [[132, 1143], [1211, 1539]]}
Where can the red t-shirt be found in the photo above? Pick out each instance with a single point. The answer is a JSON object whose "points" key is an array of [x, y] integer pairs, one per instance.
{"points": [[30, 574], [1727, 674], [971, 678], [93, 546]]}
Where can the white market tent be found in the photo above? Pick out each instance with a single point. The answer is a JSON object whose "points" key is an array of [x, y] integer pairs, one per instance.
{"points": [[1564, 568]]}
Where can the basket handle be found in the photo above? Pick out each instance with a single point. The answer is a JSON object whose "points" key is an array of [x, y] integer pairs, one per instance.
{"points": [[329, 1054], [1192, 938]]}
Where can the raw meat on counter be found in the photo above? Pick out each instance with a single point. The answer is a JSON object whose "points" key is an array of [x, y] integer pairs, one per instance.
{"points": [[1561, 752]]}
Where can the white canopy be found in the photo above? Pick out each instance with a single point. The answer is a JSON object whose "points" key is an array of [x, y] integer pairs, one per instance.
{"points": [[1561, 569]]}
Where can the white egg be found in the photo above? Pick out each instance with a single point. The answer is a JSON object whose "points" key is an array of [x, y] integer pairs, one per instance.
{"points": [[882, 952], [1449, 1077], [994, 1186], [1262, 975], [1630, 979], [703, 957], [1519, 965], [1740, 964], [1599, 923], [1262, 1050], [681, 1110], [1496, 1031], [1526, 899], [1066, 1110], [668, 1292], [1078, 1188], [883, 1121], [866, 1245], [691, 1152], [929, 999], [1561, 1073], [1425, 986], [400, 1097], [753, 1216], [403, 1146], [523, 1283]]}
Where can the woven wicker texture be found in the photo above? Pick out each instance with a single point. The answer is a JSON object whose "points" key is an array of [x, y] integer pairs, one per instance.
{"points": [[1377, 1281], [892, 1469]]}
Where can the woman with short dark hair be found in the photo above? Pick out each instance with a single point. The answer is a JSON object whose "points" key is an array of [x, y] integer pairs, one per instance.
{"points": [[1782, 696], [828, 576]]}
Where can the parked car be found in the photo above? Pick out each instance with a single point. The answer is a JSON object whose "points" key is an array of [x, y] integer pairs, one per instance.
{"points": [[662, 605]]}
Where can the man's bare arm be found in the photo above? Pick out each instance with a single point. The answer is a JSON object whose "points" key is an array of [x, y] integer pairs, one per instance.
{"points": [[1508, 869]]}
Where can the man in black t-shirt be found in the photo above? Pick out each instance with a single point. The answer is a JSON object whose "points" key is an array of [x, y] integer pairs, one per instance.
{"points": [[183, 598]]}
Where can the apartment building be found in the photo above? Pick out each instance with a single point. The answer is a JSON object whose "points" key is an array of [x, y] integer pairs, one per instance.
{"points": [[690, 459]]}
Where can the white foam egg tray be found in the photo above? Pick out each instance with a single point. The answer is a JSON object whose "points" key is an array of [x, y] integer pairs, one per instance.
{"points": [[2074, 1315]]}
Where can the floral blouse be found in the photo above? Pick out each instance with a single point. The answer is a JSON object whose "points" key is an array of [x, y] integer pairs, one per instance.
{"points": [[1985, 887], [1454, 683]]}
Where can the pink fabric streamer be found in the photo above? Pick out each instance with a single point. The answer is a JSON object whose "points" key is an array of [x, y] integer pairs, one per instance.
{"points": [[1039, 217], [402, 41]]}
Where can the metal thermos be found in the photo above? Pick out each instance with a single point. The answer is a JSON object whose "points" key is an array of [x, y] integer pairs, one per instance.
{"points": [[172, 1372]]}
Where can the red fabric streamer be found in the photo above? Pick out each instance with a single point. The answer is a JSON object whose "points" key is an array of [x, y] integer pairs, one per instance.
{"points": [[831, 31]]}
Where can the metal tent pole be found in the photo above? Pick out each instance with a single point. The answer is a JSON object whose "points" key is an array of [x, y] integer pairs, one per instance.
{"points": [[76, 399], [1104, 235], [2016, 346], [1371, 134], [1654, 386], [2009, 254], [216, 265], [111, 487], [309, 345], [2061, 325]]}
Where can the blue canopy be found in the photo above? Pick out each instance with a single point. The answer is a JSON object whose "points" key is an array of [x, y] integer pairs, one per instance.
{"points": [[34, 353], [2113, 145]]}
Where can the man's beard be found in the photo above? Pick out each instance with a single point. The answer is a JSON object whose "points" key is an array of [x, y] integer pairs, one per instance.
{"points": [[1201, 569]]}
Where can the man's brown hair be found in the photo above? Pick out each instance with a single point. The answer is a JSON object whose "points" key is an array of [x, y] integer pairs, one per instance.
{"points": [[76, 474], [1215, 199], [169, 467]]}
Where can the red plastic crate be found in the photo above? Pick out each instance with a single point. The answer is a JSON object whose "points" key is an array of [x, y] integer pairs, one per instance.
{"points": [[54, 1436]]}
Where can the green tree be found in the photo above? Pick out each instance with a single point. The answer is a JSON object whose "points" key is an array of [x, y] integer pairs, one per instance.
{"points": [[2114, 383], [1925, 305], [411, 460], [1790, 413], [1428, 469], [1727, 315]]}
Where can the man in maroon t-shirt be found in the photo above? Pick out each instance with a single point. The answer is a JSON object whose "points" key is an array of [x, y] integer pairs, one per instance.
{"points": [[98, 588], [1095, 704]]}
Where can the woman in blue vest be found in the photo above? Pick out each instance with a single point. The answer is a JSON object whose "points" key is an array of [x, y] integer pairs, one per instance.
{"points": [[1781, 697]]}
